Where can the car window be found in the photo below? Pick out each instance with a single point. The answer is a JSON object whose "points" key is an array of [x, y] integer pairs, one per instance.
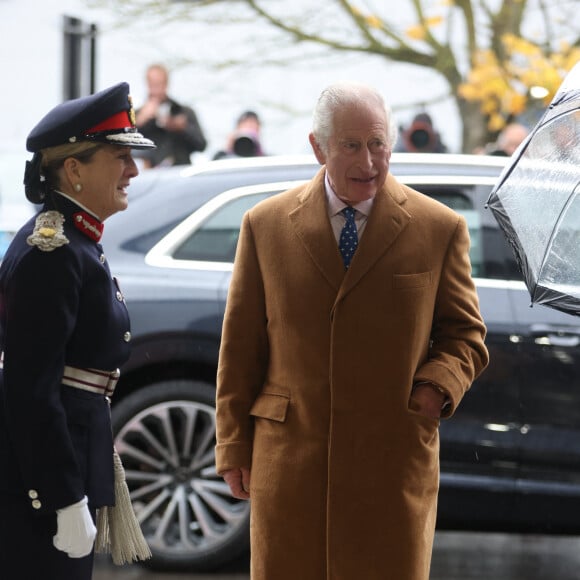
{"points": [[490, 254], [463, 205], [217, 237]]}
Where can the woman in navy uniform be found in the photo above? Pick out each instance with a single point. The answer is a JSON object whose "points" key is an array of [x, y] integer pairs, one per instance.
{"points": [[64, 332]]}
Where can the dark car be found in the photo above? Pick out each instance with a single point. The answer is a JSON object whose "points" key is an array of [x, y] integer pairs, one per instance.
{"points": [[510, 457]]}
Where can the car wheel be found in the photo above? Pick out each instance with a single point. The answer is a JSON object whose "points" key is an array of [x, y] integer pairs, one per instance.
{"points": [[165, 435]]}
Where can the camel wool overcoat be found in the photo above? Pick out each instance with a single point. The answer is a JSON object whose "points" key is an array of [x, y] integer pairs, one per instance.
{"points": [[315, 376]]}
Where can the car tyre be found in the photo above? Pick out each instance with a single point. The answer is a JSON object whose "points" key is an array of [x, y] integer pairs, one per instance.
{"points": [[165, 435]]}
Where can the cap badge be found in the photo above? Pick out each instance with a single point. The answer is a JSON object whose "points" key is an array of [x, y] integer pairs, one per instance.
{"points": [[132, 117], [88, 225], [48, 233]]}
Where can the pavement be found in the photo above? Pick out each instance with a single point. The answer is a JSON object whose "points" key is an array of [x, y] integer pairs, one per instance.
{"points": [[456, 556]]}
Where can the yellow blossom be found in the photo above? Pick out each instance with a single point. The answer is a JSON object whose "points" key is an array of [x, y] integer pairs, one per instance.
{"points": [[496, 123], [374, 21], [416, 32], [503, 88], [433, 21]]}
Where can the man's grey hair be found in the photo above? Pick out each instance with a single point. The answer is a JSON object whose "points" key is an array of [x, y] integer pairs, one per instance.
{"points": [[344, 94]]}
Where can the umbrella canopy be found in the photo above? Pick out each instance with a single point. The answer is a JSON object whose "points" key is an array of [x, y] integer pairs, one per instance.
{"points": [[537, 202]]}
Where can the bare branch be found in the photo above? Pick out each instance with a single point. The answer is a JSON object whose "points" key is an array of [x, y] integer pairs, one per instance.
{"points": [[467, 10], [362, 27]]}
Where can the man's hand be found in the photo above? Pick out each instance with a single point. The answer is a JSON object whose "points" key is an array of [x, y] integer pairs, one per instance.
{"points": [[428, 399], [147, 112], [176, 122], [239, 481]]}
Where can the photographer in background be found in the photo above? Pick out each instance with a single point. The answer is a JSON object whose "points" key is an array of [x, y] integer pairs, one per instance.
{"points": [[244, 141], [172, 126], [421, 137], [508, 140]]}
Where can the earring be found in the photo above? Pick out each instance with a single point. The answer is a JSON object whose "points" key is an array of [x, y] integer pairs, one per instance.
{"points": [[78, 187]]}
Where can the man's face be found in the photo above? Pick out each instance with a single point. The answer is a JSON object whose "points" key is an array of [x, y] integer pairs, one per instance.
{"points": [[157, 84], [357, 156]]}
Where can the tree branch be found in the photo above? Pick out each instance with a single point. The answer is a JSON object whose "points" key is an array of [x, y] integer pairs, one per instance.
{"points": [[467, 10], [399, 54]]}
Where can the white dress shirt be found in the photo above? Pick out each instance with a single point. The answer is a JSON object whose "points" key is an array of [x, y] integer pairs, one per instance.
{"points": [[336, 205]]}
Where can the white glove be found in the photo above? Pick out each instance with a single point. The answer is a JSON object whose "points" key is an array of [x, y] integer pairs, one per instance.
{"points": [[75, 532]]}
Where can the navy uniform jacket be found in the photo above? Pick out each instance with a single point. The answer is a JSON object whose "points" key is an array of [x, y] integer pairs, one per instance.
{"points": [[57, 308]]}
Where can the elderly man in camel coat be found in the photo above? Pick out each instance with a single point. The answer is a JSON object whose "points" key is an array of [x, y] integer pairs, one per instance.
{"points": [[333, 376]]}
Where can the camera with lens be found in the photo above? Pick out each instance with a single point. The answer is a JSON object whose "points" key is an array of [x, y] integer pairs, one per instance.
{"points": [[246, 144], [420, 137]]}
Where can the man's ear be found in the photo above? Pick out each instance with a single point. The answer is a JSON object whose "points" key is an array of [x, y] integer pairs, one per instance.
{"points": [[320, 156]]}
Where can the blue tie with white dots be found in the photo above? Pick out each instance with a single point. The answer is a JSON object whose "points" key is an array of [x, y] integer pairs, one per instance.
{"points": [[348, 240]]}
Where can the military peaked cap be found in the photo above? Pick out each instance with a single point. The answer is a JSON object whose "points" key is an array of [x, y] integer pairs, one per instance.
{"points": [[105, 117]]}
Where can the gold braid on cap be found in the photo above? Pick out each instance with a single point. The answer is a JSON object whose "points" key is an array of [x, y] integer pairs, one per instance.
{"points": [[132, 117]]}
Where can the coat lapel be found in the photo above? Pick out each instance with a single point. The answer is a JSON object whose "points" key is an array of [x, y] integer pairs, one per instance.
{"points": [[387, 220], [312, 226]]}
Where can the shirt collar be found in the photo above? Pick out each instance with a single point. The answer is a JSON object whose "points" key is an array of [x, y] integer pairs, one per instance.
{"points": [[336, 205]]}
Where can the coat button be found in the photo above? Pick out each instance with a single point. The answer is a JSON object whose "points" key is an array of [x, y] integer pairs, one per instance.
{"points": [[127, 336], [102, 258], [119, 296], [32, 494], [36, 504]]}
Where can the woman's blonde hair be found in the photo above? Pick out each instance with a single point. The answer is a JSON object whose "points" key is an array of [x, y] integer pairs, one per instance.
{"points": [[54, 157]]}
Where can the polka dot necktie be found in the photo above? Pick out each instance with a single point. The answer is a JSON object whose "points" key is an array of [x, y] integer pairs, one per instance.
{"points": [[348, 240]]}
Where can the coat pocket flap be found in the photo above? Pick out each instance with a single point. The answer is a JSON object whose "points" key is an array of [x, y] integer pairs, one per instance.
{"points": [[272, 406], [419, 280]]}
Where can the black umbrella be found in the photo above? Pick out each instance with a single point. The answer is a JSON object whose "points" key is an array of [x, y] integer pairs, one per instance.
{"points": [[537, 202]]}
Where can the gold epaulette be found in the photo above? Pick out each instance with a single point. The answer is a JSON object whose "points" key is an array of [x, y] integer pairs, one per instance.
{"points": [[48, 233]]}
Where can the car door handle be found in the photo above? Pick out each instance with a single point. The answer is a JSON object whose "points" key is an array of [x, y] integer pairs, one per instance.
{"points": [[554, 336], [567, 341]]}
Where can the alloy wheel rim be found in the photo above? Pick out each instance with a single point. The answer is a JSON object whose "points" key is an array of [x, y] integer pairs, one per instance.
{"points": [[180, 501]]}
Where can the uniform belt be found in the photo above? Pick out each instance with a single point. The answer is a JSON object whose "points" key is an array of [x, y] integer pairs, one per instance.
{"points": [[92, 380]]}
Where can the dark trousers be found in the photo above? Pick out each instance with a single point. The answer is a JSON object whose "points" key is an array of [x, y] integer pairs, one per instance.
{"points": [[26, 548]]}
